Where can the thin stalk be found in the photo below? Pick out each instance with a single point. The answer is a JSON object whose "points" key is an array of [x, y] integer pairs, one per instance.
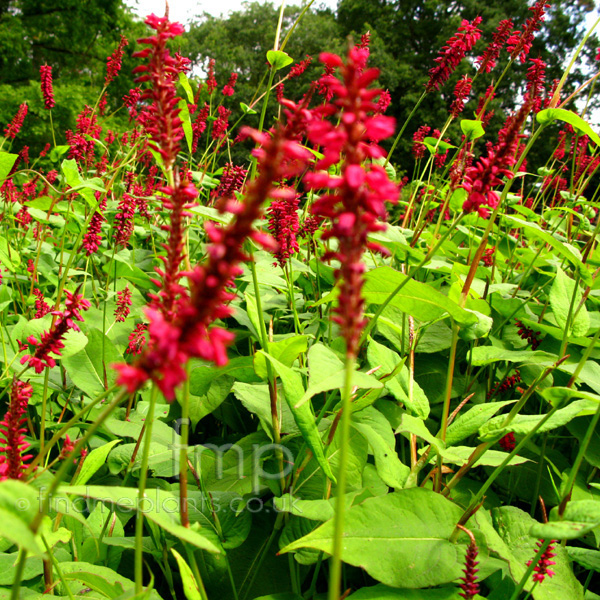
{"points": [[408, 119], [139, 522], [183, 452], [335, 575]]}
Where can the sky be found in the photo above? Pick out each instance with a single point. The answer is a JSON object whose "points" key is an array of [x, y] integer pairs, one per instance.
{"points": [[184, 10]]}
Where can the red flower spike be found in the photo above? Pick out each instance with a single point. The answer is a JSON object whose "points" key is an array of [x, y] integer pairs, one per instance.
{"points": [[137, 339], [123, 304], [162, 120], [283, 225], [51, 341], [486, 174], [357, 204], [211, 82], [507, 442], [229, 88], [541, 569], [46, 84], [113, 62], [12, 433], [13, 128], [461, 93], [187, 332], [519, 43], [487, 61], [452, 53], [469, 585], [300, 67]]}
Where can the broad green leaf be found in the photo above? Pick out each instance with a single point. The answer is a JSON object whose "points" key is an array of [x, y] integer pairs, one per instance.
{"points": [[19, 505], [401, 539], [558, 246], [590, 559], [410, 424], [303, 414], [376, 429], [459, 455], [517, 546], [567, 116], [562, 530], [327, 372], [102, 580], [397, 380], [246, 109], [93, 461], [383, 592], [185, 84], [162, 460], [90, 369], [76, 182], [561, 295], [468, 423], [486, 355], [315, 510], [186, 123], [285, 351], [437, 146], [7, 162], [472, 129], [201, 406], [523, 424], [161, 507], [9, 258], [33, 567], [279, 59], [418, 299], [190, 586]]}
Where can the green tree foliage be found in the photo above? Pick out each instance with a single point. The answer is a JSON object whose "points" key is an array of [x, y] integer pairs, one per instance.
{"points": [[407, 35], [240, 44], [73, 37]]}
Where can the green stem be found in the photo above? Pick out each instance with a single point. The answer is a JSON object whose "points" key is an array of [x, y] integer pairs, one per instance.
{"points": [[335, 576], [408, 119], [139, 522]]}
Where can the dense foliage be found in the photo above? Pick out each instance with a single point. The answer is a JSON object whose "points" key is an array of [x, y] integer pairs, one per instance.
{"points": [[279, 362]]}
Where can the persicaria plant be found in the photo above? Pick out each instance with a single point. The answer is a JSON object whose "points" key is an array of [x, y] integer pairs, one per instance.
{"points": [[302, 333]]}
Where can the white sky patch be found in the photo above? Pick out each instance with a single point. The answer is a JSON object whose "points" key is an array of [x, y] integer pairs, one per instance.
{"points": [[185, 10]]}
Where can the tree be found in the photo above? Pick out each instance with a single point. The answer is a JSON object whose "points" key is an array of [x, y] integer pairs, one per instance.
{"points": [[240, 42], [407, 35], [74, 38]]}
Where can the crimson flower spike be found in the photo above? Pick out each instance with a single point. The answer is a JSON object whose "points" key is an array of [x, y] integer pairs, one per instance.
{"points": [[189, 333], [452, 53], [46, 85], [162, 119], [356, 205], [12, 433]]}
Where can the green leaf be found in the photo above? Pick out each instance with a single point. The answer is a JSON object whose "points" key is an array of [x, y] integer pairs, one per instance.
{"points": [[327, 372], [93, 461], [279, 59], [486, 355], [90, 369], [560, 296], [401, 539], [419, 300], [558, 245], [376, 429], [437, 146], [9, 257], [246, 109], [472, 129], [7, 162], [590, 559], [523, 424], [567, 116], [383, 592], [561, 530], [186, 122], [396, 377], [75, 181], [303, 414], [190, 586], [161, 508], [185, 84], [33, 567], [285, 351], [469, 422]]}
